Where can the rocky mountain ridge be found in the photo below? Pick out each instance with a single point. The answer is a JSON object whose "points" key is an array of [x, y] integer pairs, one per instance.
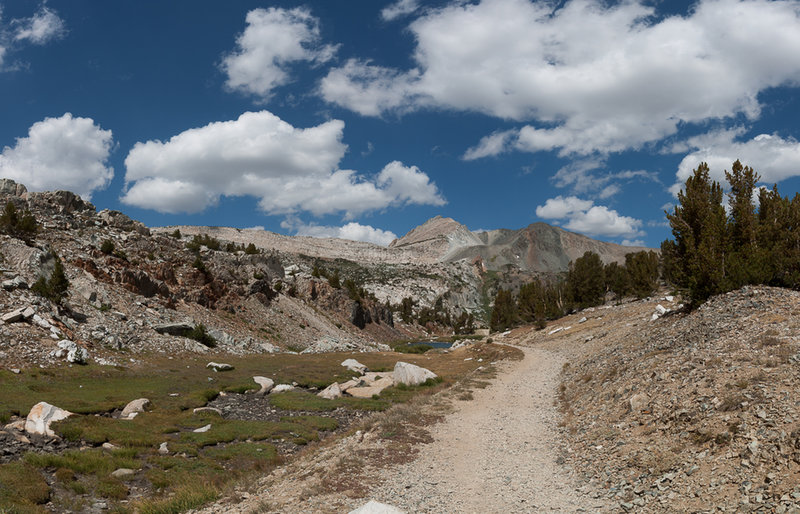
{"points": [[127, 279]]}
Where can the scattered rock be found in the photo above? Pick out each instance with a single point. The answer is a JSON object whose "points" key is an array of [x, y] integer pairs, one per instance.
{"points": [[374, 507], [134, 408], [331, 392], [639, 402], [14, 283], [354, 365], [266, 385], [411, 374], [202, 429], [41, 416], [219, 366], [123, 472], [199, 410], [174, 329], [73, 353], [13, 316], [281, 388]]}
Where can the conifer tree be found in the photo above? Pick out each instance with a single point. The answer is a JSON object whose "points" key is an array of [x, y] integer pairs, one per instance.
{"points": [[504, 313], [586, 281], [699, 226]]}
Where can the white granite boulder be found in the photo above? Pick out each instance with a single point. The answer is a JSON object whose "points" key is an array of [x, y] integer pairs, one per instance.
{"points": [[282, 388], [266, 384], [331, 392], [134, 408], [410, 374], [354, 365], [41, 416], [219, 366]]}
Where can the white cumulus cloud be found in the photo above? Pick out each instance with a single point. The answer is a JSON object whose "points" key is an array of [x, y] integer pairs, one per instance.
{"points": [[353, 231], [273, 39], [584, 75], [398, 9], [585, 217], [61, 153], [771, 156], [289, 169]]}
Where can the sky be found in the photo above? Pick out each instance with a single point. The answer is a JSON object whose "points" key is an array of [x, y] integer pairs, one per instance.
{"points": [[363, 119]]}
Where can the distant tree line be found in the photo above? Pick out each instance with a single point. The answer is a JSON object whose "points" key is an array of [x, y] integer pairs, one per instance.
{"points": [[715, 251], [585, 284]]}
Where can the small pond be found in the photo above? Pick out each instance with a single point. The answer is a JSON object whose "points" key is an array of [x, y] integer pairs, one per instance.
{"points": [[432, 344]]}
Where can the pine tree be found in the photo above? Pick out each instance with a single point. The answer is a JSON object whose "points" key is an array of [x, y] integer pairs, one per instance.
{"points": [[743, 265], [642, 271], [617, 280], [586, 281], [504, 313], [699, 226]]}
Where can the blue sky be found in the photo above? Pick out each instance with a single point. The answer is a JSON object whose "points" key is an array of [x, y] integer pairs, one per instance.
{"points": [[362, 119]]}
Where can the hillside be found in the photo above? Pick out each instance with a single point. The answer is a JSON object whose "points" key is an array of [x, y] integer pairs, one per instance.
{"points": [[686, 412]]}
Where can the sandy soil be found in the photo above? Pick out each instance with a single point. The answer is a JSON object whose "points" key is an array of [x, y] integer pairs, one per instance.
{"points": [[496, 453]]}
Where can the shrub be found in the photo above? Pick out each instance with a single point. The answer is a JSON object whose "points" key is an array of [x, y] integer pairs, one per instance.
{"points": [[202, 336], [11, 223], [333, 280], [177, 234], [199, 265], [107, 247], [251, 249], [55, 289]]}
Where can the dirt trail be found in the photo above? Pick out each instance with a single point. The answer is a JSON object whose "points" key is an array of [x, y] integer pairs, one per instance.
{"points": [[496, 453]]}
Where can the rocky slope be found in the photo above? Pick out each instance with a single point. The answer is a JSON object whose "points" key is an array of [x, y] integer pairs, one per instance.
{"points": [[687, 412], [128, 280], [439, 259], [145, 288]]}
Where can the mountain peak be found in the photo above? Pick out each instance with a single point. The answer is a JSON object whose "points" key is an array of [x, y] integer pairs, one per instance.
{"points": [[437, 237]]}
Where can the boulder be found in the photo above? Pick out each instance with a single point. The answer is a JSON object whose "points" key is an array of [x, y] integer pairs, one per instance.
{"points": [[219, 366], [410, 374], [282, 388], [331, 392], [639, 402], [354, 365], [163, 449], [13, 316], [134, 408], [122, 472], [364, 391], [373, 507], [266, 384], [202, 429], [174, 329], [347, 385], [41, 416], [15, 283], [199, 410], [73, 353]]}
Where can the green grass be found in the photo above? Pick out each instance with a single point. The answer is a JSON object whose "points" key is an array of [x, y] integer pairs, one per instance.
{"points": [[188, 496], [22, 488], [199, 465]]}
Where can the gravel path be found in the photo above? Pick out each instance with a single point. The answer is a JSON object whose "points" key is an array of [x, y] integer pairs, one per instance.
{"points": [[496, 453]]}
